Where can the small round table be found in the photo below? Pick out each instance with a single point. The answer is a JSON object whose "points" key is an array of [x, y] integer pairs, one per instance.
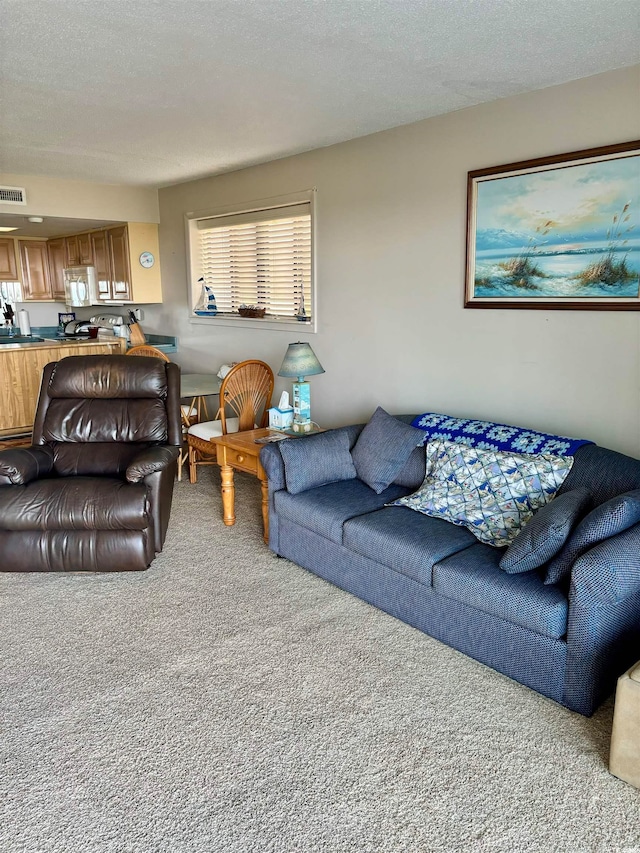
{"points": [[197, 387]]}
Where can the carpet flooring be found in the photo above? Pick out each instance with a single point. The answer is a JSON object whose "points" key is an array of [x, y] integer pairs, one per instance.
{"points": [[227, 700]]}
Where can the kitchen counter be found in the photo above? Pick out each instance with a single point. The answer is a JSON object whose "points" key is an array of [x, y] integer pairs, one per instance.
{"points": [[166, 343], [48, 343]]}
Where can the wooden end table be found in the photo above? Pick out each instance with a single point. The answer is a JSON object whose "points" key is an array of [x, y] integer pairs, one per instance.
{"points": [[238, 451]]}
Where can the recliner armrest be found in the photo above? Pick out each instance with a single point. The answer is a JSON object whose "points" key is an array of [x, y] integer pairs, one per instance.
{"points": [[609, 572], [151, 460], [21, 465]]}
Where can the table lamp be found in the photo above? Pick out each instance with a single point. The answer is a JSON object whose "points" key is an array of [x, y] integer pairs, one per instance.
{"points": [[300, 361]]}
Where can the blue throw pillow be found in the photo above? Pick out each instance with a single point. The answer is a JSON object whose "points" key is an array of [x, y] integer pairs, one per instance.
{"points": [[604, 521], [546, 533], [314, 460], [383, 449]]}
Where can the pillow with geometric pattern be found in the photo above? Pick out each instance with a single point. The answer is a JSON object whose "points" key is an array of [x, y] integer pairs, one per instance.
{"points": [[546, 533], [491, 492], [611, 517]]}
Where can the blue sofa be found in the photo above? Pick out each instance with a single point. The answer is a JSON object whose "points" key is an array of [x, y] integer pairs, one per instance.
{"points": [[569, 640]]}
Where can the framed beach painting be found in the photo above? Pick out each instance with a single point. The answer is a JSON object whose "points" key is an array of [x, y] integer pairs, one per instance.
{"points": [[557, 232]]}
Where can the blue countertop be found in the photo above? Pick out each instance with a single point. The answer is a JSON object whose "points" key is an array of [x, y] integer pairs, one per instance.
{"points": [[166, 343]]}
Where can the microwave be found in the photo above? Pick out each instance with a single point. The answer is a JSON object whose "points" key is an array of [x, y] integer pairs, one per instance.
{"points": [[80, 287]]}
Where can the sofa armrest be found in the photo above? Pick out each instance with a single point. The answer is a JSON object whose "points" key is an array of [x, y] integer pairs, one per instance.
{"points": [[609, 572], [151, 460], [603, 631], [273, 464], [21, 465]]}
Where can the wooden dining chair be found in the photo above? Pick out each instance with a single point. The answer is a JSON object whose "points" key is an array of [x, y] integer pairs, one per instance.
{"points": [[245, 397], [189, 414], [148, 350]]}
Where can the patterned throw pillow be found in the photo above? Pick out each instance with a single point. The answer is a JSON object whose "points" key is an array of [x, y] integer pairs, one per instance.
{"points": [[611, 517], [491, 492], [383, 448], [546, 533]]}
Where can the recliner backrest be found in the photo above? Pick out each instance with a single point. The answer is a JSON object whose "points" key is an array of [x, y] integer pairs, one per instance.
{"points": [[98, 412]]}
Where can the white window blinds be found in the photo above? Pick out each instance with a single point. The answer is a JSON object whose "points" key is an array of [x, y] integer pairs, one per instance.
{"points": [[260, 258]]}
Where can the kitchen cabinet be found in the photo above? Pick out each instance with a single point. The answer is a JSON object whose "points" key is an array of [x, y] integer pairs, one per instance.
{"points": [[79, 251], [8, 265], [118, 246], [120, 275], [21, 369], [115, 253], [34, 262], [57, 252], [101, 264]]}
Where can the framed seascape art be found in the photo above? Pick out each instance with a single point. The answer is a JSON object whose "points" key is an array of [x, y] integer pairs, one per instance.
{"points": [[557, 232]]}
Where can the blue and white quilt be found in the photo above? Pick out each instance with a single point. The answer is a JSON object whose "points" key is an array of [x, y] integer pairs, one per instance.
{"points": [[491, 436]]}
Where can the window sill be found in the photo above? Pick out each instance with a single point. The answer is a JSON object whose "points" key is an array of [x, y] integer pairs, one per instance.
{"points": [[263, 323]]}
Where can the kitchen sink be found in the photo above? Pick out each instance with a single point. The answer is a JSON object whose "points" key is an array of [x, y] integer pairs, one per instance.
{"points": [[20, 339]]}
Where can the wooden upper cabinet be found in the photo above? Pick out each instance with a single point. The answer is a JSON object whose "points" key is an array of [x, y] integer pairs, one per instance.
{"points": [[73, 251], [8, 266], [116, 252], [101, 263], [118, 243], [85, 252], [36, 280], [57, 251]]}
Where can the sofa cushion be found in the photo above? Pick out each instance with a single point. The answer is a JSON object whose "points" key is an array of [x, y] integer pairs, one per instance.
{"points": [[325, 508], [75, 503], [407, 542], [491, 492], [314, 460], [474, 577], [383, 448], [542, 537], [611, 517]]}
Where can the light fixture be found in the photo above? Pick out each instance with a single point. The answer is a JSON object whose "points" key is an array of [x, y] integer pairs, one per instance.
{"points": [[35, 219], [5, 228], [300, 361]]}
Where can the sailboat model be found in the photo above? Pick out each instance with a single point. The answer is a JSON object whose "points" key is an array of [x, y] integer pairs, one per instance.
{"points": [[206, 305]]}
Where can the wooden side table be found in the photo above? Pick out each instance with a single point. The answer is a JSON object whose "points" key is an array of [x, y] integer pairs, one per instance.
{"points": [[238, 451]]}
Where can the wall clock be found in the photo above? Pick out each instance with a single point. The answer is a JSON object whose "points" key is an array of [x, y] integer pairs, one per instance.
{"points": [[147, 260]]}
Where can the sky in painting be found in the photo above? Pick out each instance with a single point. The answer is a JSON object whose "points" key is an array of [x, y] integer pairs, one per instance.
{"points": [[574, 204]]}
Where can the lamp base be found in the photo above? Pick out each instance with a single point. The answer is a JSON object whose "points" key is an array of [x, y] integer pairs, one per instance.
{"points": [[301, 403]]}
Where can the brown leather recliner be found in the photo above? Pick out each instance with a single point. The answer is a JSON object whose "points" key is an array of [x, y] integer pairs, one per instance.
{"points": [[94, 490]]}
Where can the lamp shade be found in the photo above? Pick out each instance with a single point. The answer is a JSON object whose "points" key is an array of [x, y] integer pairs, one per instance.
{"points": [[300, 361]]}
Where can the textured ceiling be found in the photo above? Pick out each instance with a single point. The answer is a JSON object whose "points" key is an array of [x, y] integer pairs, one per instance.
{"points": [[154, 92]]}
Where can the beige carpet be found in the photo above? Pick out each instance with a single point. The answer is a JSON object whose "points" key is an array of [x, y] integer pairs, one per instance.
{"points": [[227, 700]]}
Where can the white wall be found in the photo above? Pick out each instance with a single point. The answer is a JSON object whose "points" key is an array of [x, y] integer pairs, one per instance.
{"points": [[81, 199], [391, 219]]}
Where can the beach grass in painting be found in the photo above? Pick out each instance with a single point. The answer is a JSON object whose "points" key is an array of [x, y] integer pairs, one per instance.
{"points": [[571, 232]]}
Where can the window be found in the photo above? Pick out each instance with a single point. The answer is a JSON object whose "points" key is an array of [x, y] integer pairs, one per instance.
{"points": [[259, 258]]}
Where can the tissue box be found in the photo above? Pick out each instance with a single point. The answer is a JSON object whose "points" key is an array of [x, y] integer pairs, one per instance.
{"points": [[280, 418]]}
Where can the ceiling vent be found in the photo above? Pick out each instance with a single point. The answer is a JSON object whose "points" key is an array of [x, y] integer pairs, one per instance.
{"points": [[13, 195]]}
